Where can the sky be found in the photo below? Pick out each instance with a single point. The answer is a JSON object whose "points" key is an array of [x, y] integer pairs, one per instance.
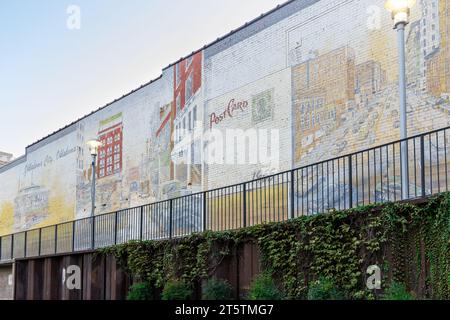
{"points": [[51, 75]]}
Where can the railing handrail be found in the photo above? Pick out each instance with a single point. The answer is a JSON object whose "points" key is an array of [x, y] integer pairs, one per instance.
{"points": [[241, 183], [244, 184]]}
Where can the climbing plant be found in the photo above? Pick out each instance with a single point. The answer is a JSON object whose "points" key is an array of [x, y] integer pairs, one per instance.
{"points": [[188, 259], [410, 243]]}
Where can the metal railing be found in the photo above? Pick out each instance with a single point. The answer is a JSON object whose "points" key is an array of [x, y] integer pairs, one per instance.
{"points": [[364, 177]]}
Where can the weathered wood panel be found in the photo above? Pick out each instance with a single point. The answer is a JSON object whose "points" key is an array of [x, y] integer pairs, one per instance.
{"points": [[42, 278], [102, 278], [6, 283]]}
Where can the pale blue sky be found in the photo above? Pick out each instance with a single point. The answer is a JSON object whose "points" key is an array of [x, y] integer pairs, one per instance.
{"points": [[50, 75]]}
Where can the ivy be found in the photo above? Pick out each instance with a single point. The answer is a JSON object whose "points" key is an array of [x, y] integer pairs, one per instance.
{"points": [[188, 259], [409, 242]]}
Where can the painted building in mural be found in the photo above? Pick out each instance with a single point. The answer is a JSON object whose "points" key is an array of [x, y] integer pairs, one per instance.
{"points": [[306, 82]]}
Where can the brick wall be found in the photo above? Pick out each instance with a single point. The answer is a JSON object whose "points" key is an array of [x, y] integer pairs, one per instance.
{"points": [[318, 77]]}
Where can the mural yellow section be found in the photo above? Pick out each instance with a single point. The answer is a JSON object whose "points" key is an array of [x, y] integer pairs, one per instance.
{"points": [[6, 218], [266, 201]]}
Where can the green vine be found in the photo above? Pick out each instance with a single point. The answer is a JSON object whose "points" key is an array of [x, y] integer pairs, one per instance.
{"points": [[188, 259], [410, 243]]}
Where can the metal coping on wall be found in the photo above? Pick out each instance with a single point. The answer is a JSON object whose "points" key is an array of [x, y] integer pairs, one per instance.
{"points": [[90, 114], [259, 24], [13, 164], [251, 28], [247, 30], [57, 135]]}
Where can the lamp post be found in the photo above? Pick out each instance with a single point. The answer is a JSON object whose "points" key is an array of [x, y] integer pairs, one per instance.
{"points": [[93, 148], [400, 10]]}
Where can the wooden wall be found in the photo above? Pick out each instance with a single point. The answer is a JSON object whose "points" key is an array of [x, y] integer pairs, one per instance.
{"points": [[6, 288], [42, 279], [103, 279]]}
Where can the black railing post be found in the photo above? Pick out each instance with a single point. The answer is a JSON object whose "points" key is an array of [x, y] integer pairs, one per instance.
{"points": [[25, 245], [56, 239], [422, 165], [73, 235], [170, 219], [350, 182], [40, 241], [141, 232], [292, 202], [244, 201], [204, 212], [12, 246], [116, 218], [175, 223], [93, 233]]}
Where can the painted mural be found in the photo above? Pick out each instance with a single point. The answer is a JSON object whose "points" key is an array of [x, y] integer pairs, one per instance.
{"points": [[34, 195], [351, 95], [109, 161], [345, 98], [312, 84], [187, 113], [247, 129]]}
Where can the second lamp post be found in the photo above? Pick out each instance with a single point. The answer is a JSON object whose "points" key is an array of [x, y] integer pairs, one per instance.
{"points": [[400, 10]]}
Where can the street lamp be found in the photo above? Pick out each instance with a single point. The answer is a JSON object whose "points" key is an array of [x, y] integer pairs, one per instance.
{"points": [[400, 10], [93, 149]]}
